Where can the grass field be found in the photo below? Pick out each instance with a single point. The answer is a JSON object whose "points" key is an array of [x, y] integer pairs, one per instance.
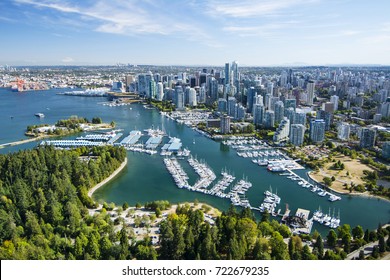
{"points": [[353, 166]]}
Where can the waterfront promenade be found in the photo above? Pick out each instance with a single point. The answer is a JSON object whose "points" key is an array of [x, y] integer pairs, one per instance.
{"points": [[116, 172], [22, 141]]}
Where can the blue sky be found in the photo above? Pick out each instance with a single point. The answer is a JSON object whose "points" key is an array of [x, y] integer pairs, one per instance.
{"points": [[204, 32]]}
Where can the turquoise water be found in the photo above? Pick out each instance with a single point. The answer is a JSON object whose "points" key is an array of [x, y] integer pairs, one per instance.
{"points": [[146, 179]]}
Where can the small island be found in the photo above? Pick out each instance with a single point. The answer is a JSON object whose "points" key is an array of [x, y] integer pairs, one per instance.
{"points": [[72, 125]]}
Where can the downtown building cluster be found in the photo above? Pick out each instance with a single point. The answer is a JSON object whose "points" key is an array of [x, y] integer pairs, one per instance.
{"points": [[299, 104]]}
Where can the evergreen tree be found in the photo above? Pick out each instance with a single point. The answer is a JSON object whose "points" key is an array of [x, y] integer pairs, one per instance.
{"points": [[260, 250], [265, 216], [319, 245], [278, 247], [357, 232], [93, 247], [306, 254], [375, 252], [347, 243], [382, 244], [388, 243], [361, 255], [124, 244], [331, 239]]}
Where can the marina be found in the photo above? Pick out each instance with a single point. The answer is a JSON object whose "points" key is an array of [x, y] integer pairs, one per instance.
{"points": [[262, 154], [133, 188]]}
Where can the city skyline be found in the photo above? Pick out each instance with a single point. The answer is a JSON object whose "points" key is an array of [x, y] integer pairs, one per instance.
{"points": [[255, 33]]}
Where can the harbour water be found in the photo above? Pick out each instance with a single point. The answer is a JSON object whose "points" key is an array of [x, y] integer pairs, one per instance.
{"points": [[146, 177]]}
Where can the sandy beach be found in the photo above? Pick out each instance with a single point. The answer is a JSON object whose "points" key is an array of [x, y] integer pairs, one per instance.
{"points": [[116, 172]]}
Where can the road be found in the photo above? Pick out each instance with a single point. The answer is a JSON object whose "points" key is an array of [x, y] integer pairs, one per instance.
{"points": [[368, 248]]}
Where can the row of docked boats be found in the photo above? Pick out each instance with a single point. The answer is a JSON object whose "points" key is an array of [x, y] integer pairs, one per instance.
{"points": [[270, 202], [326, 219], [140, 149], [271, 155], [305, 184], [237, 193], [241, 140], [177, 172], [219, 188], [206, 174], [155, 132], [184, 153]]}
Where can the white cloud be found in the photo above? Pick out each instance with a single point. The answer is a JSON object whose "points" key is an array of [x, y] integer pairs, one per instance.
{"points": [[118, 17], [250, 8], [67, 60], [6, 19], [128, 18], [250, 31], [260, 30], [349, 32]]}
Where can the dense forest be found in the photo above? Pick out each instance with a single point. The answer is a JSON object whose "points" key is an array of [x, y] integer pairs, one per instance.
{"points": [[44, 200], [44, 215], [235, 235]]}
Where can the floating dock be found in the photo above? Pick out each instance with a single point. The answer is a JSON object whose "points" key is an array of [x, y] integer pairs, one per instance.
{"points": [[96, 137], [132, 138], [153, 142], [71, 143], [114, 139], [174, 145]]}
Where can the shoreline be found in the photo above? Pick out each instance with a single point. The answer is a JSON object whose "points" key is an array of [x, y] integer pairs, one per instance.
{"points": [[365, 194], [20, 142], [109, 178], [40, 137]]}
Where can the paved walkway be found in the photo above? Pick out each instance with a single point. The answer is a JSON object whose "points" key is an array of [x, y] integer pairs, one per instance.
{"points": [[119, 169]]}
